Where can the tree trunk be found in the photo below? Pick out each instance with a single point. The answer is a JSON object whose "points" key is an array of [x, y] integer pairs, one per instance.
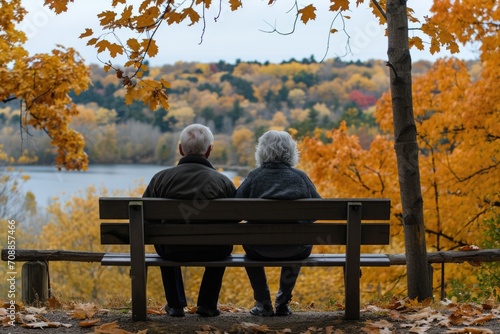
{"points": [[405, 137]]}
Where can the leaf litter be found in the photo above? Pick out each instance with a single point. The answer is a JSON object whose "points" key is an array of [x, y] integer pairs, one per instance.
{"points": [[399, 314]]}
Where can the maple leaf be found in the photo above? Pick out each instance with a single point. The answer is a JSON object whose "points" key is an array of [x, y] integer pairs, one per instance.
{"points": [[58, 6], [126, 14], [339, 5], [83, 311], [173, 17], [115, 49], [307, 13], [106, 17], [92, 41], [416, 42], [152, 48], [192, 14], [88, 32], [133, 44], [235, 4], [102, 45]]}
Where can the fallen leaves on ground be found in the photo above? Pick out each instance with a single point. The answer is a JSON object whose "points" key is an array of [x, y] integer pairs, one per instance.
{"points": [[407, 314], [420, 317]]}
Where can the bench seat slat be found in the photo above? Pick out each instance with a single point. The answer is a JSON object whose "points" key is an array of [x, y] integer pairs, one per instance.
{"points": [[239, 260]]}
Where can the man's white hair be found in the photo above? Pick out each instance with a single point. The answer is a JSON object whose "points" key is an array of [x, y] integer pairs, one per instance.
{"points": [[277, 146], [196, 139]]}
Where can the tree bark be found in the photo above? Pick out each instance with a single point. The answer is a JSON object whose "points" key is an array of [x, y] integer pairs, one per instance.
{"points": [[405, 138]]}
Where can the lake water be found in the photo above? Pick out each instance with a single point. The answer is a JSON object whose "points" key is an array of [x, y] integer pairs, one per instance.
{"points": [[46, 182]]}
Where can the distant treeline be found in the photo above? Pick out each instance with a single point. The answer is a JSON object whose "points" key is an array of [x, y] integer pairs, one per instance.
{"points": [[238, 101]]}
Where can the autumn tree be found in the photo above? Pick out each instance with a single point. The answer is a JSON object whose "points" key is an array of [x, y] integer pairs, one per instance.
{"points": [[456, 119], [41, 83]]}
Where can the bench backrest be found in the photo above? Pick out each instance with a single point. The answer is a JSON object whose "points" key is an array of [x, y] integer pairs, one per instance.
{"points": [[347, 216]]}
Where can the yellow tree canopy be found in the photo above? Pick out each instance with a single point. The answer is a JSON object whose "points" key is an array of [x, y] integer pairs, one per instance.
{"points": [[41, 83], [457, 121], [458, 133]]}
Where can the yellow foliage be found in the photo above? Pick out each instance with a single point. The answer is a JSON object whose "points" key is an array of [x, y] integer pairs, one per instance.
{"points": [[42, 83], [457, 122], [244, 141]]}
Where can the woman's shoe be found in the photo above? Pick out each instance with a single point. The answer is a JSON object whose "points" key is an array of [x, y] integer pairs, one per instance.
{"points": [[283, 310], [263, 309]]}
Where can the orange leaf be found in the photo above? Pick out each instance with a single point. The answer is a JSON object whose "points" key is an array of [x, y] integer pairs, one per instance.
{"points": [[92, 41], [235, 4], [192, 14], [339, 5], [115, 49], [102, 45], [416, 42], [133, 44], [88, 32], [107, 17], [307, 13], [89, 323]]}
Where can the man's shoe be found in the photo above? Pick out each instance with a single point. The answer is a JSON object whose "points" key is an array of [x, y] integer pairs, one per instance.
{"points": [[175, 311], [283, 310], [264, 309], [207, 312]]}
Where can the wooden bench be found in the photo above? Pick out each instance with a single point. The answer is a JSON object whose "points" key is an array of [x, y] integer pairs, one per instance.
{"points": [[343, 227]]}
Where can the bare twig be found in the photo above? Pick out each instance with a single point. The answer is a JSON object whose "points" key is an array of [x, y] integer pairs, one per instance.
{"points": [[376, 4], [204, 25]]}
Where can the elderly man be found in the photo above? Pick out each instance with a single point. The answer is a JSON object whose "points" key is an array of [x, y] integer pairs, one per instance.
{"points": [[195, 178]]}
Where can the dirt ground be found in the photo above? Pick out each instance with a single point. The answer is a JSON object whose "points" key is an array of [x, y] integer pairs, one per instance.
{"points": [[239, 321]]}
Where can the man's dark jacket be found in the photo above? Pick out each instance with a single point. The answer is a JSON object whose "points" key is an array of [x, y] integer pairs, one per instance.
{"points": [[193, 178]]}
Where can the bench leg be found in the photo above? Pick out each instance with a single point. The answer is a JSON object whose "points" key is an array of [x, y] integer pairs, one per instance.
{"points": [[352, 296], [35, 282], [139, 298], [137, 262], [352, 266]]}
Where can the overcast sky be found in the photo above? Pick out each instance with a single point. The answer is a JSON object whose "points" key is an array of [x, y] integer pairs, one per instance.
{"points": [[236, 35]]}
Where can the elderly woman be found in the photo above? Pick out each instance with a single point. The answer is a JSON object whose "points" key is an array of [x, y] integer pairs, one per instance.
{"points": [[276, 178]]}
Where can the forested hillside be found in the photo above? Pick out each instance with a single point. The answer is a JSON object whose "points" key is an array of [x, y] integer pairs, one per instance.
{"points": [[238, 101]]}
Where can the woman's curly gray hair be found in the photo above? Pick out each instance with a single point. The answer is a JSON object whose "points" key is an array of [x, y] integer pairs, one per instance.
{"points": [[276, 146]]}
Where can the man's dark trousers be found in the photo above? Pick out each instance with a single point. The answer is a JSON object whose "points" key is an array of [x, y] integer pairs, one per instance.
{"points": [[211, 283]]}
